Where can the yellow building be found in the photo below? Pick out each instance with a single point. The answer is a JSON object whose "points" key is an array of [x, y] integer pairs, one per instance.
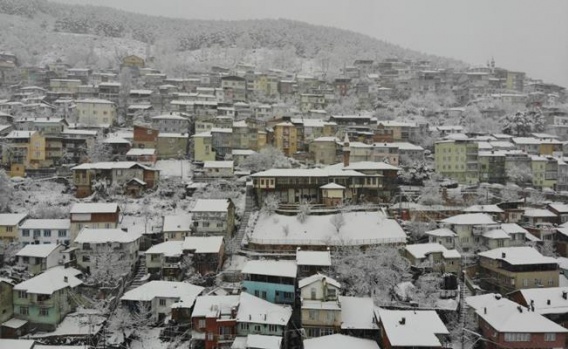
{"points": [[203, 147], [9, 223], [265, 84], [133, 61], [458, 160], [515, 80], [25, 148], [286, 138], [172, 145], [95, 112]]}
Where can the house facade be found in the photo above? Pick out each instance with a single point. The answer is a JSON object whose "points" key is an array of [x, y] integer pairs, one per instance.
{"points": [[94, 216], [213, 217], [274, 281], [321, 309], [45, 231]]}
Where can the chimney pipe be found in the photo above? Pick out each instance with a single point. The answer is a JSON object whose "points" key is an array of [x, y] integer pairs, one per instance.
{"points": [[565, 294], [402, 321], [503, 255]]}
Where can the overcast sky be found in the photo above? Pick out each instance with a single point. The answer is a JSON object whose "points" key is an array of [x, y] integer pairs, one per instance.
{"points": [[526, 35]]}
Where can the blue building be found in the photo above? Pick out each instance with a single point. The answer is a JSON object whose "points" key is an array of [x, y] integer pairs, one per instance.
{"points": [[274, 281]]}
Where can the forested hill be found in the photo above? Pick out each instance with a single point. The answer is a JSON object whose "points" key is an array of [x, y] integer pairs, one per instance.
{"points": [[168, 36]]}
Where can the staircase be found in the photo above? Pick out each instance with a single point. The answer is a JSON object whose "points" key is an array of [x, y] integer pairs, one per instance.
{"points": [[235, 244], [139, 273]]}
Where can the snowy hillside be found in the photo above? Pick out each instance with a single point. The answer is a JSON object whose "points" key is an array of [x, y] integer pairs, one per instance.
{"points": [[183, 44]]}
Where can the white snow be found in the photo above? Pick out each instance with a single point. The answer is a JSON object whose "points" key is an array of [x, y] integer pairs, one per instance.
{"points": [[218, 164], [182, 291], [51, 280], [547, 300], [11, 219], [94, 208], [167, 248], [522, 255], [442, 232], [538, 213], [210, 205], [360, 228], [181, 222], [16, 343], [174, 168], [46, 224], [271, 268], [14, 323], [141, 152], [212, 306], [317, 277], [357, 313], [313, 258], [469, 219], [332, 186], [97, 236], [109, 165], [258, 311], [76, 324], [203, 244], [420, 251], [40, 251], [420, 327], [339, 341], [483, 209], [258, 341], [496, 234]]}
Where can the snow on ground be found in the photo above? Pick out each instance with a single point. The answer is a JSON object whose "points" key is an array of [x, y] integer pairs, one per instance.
{"points": [[42, 199], [82, 322], [358, 228], [151, 340], [174, 168]]}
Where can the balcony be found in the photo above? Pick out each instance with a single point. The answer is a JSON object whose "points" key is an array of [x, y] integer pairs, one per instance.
{"points": [[225, 337]]}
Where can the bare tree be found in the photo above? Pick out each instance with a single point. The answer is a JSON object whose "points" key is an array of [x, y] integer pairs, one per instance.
{"points": [[270, 204], [338, 221], [303, 211], [6, 190], [108, 266]]}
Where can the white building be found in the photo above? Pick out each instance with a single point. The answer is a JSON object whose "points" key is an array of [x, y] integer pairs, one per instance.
{"points": [[93, 243], [158, 296], [213, 216], [38, 258], [45, 231], [95, 112]]}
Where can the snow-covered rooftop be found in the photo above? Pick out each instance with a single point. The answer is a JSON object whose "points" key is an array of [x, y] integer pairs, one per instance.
{"points": [[141, 152], [258, 341], [258, 311], [182, 291], [11, 219], [559, 207], [513, 228], [469, 219], [94, 208], [522, 255], [59, 224], [483, 209], [332, 186], [99, 236], [39, 251], [546, 301], [119, 165], [169, 117], [412, 328], [271, 268], [360, 228], [211, 205], [218, 164], [339, 341], [420, 251], [357, 313], [318, 277], [505, 315], [203, 244], [212, 306], [442, 232], [51, 280], [116, 140], [17, 343], [313, 258], [167, 248], [538, 212], [180, 222], [496, 234]]}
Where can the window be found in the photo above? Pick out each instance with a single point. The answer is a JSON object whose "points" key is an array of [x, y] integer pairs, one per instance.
{"points": [[25, 232], [256, 293], [263, 295], [272, 328], [22, 294], [210, 336], [517, 337], [206, 224], [550, 282], [288, 295], [86, 258], [201, 323], [162, 302], [9, 229], [330, 316], [550, 337], [313, 314], [37, 233], [24, 311], [313, 293], [219, 225], [62, 233], [47, 233], [244, 326], [43, 312], [86, 246], [500, 243], [257, 328]]}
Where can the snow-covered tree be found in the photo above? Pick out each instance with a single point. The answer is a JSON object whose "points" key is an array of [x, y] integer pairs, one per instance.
{"points": [[548, 248], [127, 323], [338, 221], [6, 190], [522, 124], [374, 272], [304, 210], [265, 159], [270, 204], [431, 194], [510, 193], [108, 266], [99, 152], [519, 174]]}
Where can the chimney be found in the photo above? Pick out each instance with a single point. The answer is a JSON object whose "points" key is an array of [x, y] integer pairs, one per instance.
{"points": [[520, 309], [402, 321], [485, 310], [346, 151], [565, 294], [503, 255], [65, 279], [548, 302]]}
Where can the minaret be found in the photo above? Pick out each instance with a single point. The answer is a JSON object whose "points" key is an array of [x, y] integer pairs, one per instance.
{"points": [[346, 151]]}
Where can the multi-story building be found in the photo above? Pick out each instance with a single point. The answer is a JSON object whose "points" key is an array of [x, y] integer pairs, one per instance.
{"points": [[213, 217], [214, 321], [256, 316], [274, 281], [468, 228], [164, 260], [458, 160], [145, 136], [433, 257], [88, 175], [511, 268], [38, 258], [286, 138], [218, 169], [311, 101], [94, 216], [492, 167], [172, 145], [203, 147], [95, 112], [23, 150], [9, 225], [207, 253], [176, 227], [325, 150], [170, 123], [235, 88], [45, 231], [47, 298], [321, 310]]}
